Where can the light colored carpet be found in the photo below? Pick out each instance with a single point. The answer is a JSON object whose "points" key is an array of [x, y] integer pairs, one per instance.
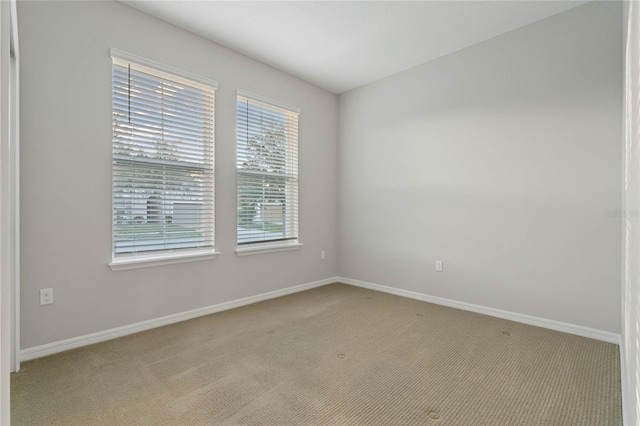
{"points": [[335, 355]]}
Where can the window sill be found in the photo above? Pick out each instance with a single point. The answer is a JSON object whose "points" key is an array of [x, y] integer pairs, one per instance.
{"points": [[147, 261], [266, 248]]}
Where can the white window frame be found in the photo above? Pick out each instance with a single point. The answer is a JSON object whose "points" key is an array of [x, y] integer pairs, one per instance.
{"points": [[120, 262], [252, 248]]}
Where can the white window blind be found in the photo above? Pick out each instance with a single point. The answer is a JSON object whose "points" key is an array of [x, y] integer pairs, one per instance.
{"points": [[267, 170], [163, 161]]}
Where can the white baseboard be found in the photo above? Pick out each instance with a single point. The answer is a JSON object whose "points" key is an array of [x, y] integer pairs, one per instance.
{"points": [[499, 313], [101, 336]]}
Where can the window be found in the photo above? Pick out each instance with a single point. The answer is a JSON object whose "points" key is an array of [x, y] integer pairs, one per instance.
{"points": [[267, 172], [163, 161]]}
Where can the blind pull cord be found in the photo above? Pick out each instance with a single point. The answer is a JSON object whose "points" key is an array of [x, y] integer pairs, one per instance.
{"points": [[129, 91]]}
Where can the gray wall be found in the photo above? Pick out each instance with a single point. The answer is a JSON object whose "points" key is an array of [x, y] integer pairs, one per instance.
{"points": [[66, 173], [503, 160]]}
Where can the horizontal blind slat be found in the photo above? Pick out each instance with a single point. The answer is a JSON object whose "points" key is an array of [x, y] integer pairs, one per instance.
{"points": [[140, 76], [163, 158], [140, 104], [267, 172]]}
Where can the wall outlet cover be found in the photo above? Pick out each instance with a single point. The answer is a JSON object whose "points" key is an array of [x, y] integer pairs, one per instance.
{"points": [[46, 296]]}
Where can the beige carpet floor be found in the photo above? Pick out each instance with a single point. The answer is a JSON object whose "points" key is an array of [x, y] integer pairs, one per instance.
{"points": [[335, 355]]}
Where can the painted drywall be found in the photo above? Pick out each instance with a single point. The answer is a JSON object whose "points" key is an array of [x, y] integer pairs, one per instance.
{"points": [[630, 345], [66, 174], [504, 161]]}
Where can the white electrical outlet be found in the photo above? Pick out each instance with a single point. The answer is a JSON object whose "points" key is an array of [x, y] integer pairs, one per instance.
{"points": [[46, 296], [323, 255], [439, 265]]}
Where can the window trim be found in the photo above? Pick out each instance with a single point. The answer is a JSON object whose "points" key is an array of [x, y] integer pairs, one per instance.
{"points": [[260, 247], [128, 261], [124, 263]]}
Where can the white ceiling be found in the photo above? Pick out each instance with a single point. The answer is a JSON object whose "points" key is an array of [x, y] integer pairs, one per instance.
{"points": [[341, 45]]}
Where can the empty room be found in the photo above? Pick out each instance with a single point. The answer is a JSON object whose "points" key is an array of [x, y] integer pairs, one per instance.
{"points": [[320, 212]]}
